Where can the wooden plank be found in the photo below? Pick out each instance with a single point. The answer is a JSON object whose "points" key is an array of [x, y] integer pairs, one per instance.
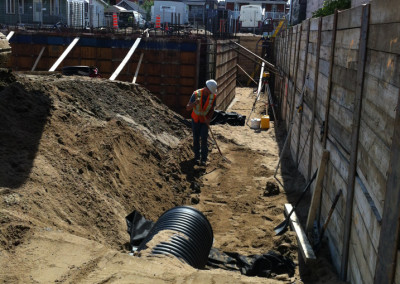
{"points": [[346, 58], [354, 140], [314, 105], [360, 268], [354, 274], [296, 66], [368, 211], [381, 123], [302, 98], [331, 60], [325, 52], [328, 22], [376, 149], [348, 39], [371, 176], [316, 196], [302, 240], [385, 67], [368, 252], [326, 38], [343, 98], [350, 18], [344, 77], [385, 12], [385, 38]]}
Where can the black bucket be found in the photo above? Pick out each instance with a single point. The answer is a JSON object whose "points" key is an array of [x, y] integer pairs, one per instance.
{"points": [[192, 241]]}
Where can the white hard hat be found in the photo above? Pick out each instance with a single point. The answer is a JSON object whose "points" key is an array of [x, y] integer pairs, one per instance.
{"points": [[212, 86]]}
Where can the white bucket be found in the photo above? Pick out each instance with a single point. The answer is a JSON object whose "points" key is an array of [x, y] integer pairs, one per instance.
{"points": [[255, 123]]}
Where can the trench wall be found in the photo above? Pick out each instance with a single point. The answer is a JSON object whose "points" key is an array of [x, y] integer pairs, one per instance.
{"points": [[171, 68], [349, 68], [254, 44]]}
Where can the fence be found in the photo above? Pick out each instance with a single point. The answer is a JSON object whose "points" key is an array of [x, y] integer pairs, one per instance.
{"points": [[348, 64]]}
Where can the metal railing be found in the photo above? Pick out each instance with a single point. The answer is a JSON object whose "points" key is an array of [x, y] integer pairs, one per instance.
{"points": [[274, 15]]}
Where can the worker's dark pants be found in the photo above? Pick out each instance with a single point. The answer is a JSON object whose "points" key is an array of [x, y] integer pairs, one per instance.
{"points": [[200, 134]]}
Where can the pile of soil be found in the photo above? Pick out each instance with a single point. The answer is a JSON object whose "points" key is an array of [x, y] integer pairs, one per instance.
{"points": [[79, 154]]}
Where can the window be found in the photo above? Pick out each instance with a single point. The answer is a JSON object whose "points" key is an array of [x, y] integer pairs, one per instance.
{"points": [[54, 7], [10, 6], [20, 7]]}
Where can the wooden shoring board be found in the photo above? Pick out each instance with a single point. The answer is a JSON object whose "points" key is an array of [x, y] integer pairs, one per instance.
{"points": [[355, 140], [316, 196], [314, 109], [302, 240]]}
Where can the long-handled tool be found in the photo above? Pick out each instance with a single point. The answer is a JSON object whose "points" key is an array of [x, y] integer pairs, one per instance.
{"points": [[219, 150], [321, 235], [281, 228]]}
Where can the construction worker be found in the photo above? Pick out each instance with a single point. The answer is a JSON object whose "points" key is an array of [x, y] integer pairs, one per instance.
{"points": [[202, 104]]}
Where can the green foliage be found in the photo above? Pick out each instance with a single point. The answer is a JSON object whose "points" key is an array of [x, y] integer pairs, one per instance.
{"points": [[330, 6], [147, 7]]}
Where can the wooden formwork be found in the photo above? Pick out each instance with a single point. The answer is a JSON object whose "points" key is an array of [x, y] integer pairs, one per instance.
{"points": [[351, 59], [172, 68]]}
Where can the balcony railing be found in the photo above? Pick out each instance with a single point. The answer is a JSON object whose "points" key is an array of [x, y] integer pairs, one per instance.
{"points": [[274, 15]]}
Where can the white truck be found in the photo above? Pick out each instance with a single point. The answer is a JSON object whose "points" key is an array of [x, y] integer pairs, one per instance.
{"points": [[167, 10], [250, 18]]}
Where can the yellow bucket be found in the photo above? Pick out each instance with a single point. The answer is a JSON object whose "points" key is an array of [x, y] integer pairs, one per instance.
{"points": [[265, 122]]}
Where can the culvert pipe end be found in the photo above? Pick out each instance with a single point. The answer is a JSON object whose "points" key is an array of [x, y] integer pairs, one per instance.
{"points": [[183, 232]]}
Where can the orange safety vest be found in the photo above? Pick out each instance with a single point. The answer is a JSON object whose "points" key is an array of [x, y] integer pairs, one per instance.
{"points": [[199, 111]]}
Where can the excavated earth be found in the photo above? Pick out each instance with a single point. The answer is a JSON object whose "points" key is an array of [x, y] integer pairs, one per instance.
{"points": [[77, 155]]}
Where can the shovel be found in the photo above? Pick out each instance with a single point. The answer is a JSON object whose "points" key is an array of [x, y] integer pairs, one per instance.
{"points": [[281, 228], [219, 150]]}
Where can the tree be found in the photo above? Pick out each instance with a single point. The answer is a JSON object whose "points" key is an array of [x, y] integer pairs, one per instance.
{"points": [[330, 6], [147, 7]]}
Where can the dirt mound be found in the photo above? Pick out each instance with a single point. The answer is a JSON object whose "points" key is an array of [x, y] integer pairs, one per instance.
{"points": [[79, 154]]}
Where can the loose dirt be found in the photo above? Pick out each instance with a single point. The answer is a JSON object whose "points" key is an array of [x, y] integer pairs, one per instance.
{"points": [[78, 154]]}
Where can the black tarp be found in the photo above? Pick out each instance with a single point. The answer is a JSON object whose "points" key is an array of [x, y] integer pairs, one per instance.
{"points": [[264, 265], [231, 118]]}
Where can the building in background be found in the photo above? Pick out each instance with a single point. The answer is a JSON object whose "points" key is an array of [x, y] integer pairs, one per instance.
{"points": [[52, 13]]}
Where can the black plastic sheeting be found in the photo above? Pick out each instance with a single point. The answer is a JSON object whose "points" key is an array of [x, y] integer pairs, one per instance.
{"points": [[265, 265], [231, 118]]}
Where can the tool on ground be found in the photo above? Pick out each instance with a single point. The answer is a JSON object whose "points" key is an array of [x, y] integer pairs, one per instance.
{"points": [[281, 228], [219, 150], [328, 218]]}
